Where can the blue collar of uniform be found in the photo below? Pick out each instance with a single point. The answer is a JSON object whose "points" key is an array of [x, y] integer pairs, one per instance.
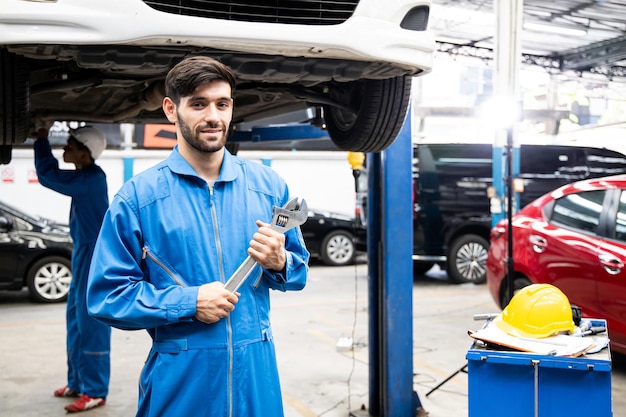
{"points": [[178, 164]]}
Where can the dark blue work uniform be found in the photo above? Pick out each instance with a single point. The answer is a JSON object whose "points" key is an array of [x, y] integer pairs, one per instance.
{"points": [[88, 340]]}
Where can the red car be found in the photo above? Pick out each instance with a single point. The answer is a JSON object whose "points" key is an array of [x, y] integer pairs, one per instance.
{"points": [[574, 238]]}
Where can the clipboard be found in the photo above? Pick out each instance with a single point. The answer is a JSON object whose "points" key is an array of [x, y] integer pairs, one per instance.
{"points": [[558, 345]]}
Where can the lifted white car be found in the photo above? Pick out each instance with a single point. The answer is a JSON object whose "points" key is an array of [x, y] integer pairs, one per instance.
{"points": [[105, 61]]}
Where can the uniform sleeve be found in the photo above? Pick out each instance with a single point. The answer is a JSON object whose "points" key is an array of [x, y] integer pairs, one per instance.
{"points": [[294, 277], [69, 182], [118, 293]]}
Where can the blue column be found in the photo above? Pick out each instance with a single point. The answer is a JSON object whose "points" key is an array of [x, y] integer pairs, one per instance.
{"points": [[129, 163], [374, 255], [498, 173], [390, 247]]}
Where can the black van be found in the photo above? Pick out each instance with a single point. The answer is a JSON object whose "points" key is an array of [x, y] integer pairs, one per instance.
{"points": [[451, 211]]}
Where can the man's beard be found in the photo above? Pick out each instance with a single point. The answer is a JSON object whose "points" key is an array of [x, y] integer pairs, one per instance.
{"points": [[191, 137]]}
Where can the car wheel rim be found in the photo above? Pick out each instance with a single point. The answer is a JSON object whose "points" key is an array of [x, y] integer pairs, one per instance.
{"points": [[52, 282], [471, 261], [340, 249]]}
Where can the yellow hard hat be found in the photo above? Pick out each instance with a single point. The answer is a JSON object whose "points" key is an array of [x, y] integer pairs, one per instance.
{"points": [[537, 311]]}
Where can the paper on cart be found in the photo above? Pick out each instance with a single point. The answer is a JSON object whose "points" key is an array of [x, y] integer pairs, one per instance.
{"points": [[559, 345]]}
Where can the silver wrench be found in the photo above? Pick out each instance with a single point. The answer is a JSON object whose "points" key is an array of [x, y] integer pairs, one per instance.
{"points": [[284, 218]]}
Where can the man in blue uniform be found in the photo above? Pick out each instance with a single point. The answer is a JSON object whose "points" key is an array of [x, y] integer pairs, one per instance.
{"points": [[88, 340], [171, 238]]}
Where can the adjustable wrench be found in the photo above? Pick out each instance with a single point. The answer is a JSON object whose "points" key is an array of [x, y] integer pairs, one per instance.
{"points": [[284, 218]]}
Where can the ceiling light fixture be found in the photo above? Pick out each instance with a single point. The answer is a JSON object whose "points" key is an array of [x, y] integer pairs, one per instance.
{"points": [[551, 28], [457, 14]]}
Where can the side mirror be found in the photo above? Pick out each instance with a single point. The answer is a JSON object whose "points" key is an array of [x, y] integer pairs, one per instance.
{"points": [[5, 224]]}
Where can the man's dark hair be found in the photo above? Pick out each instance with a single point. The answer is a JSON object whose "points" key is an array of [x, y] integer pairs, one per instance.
{"points": [[79, 145], [188, 74]]}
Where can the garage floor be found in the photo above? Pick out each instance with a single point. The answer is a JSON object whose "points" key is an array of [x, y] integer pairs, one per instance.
{"points": [[318, 377]]}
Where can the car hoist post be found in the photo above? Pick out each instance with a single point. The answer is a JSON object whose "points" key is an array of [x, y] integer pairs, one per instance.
{"points": [[390, 271]]}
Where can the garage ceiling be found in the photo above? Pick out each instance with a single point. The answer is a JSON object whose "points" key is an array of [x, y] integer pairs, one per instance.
{"points": [[561, 35]]}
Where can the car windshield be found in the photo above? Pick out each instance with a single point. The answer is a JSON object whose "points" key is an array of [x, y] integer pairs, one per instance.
{"points": [[21, 213]]}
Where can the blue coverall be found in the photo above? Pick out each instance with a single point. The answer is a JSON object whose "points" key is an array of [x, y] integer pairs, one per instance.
{"points": [[88, 340], [166, 233]]}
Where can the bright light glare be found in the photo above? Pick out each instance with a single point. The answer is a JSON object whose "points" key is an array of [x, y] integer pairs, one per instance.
{"points": [[461, 15], [500, 113]]}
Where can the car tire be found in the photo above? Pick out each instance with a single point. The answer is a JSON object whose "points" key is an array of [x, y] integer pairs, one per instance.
{"points": [[338, 248], [14, 103], [49, 279], [5, 154], [518, 284], [379, 109], [467, 260]]}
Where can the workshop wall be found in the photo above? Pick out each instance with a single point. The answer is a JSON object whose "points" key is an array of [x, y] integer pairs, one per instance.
{"points": [[324, 179]]}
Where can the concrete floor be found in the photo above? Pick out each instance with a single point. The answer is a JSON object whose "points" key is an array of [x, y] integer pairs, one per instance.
{"points": [[318, 378]]}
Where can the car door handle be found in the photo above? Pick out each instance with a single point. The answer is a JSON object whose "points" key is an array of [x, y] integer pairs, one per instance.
{"points": [[610, 263], [539, 244]]}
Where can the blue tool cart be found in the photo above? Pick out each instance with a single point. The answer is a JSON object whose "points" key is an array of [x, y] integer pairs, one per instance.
{"points": [[507, 383]]}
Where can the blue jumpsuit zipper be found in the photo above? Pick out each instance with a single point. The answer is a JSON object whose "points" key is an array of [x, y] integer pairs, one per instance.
{"points": [[223, 369]]}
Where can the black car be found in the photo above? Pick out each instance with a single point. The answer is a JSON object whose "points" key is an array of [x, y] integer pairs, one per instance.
{"points": [[451, 204], [34, 253], [330, 237]]}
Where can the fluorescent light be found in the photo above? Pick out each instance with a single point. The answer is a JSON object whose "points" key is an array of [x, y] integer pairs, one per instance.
{"points": [[460, 15], [551, 28], [499, 112]]}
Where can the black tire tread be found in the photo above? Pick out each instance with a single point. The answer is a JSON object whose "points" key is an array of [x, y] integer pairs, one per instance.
{"points": [[382, 113]]}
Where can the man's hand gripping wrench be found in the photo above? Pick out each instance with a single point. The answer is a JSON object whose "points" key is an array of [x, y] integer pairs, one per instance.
{"points": [[284, 218]]}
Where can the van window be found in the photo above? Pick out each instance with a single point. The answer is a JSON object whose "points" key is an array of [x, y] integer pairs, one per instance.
{"points": [[603, 162], [547, 161], [454, 171]]}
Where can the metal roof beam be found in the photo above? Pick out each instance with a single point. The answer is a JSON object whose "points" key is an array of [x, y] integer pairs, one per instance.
{"points": [[550, 63], [594, 55]]}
